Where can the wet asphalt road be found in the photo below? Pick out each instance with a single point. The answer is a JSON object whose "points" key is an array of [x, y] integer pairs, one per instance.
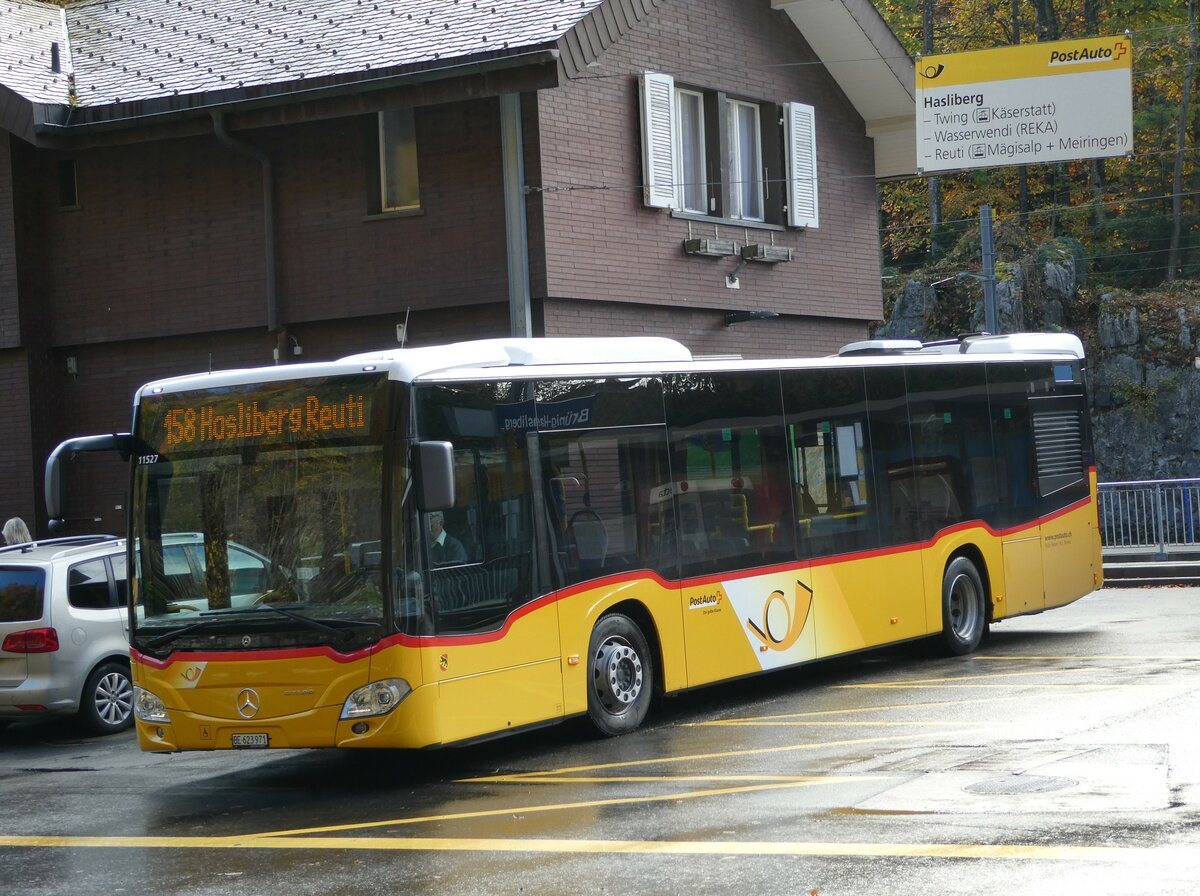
{"points": [[1063, 757]]}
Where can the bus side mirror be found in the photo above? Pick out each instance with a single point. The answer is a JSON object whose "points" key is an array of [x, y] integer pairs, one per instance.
{"points": [[433, 472], [121, 442]]}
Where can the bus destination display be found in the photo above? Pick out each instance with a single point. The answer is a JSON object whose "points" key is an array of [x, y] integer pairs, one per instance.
{"points": [[264, 415]]}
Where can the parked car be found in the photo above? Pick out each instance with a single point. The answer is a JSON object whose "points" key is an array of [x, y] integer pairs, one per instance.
{"points": [[64, 641]]}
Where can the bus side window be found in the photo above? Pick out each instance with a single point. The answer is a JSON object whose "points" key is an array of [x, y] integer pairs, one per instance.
{"points": [[599, 485], [729, 463], [829, 442]]}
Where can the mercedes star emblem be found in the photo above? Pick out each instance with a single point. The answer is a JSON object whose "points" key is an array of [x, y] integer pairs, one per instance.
{"points": [[248, 703]]}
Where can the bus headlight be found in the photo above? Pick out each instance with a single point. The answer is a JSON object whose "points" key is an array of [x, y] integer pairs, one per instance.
{"points": [[375, 699], [148, 707]]}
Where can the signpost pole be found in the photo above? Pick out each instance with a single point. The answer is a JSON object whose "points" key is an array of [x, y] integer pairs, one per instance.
{"points": [[991, 319]]}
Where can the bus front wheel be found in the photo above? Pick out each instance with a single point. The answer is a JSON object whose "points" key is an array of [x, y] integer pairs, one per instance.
{"points": [[964, 609], [620, 675]]}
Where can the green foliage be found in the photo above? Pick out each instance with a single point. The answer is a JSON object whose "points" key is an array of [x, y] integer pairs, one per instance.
{"points": [[1139, 398], [1116, 212]]}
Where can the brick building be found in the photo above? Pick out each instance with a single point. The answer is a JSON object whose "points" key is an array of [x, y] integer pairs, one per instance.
{"points": [[217, 183]]}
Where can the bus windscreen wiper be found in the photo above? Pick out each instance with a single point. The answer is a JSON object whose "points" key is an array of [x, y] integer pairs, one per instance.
{"points": [[178, 633], [343, 632]]}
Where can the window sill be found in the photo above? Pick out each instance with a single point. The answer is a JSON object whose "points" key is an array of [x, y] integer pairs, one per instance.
{"points": [[728, 222], [400, 213]]}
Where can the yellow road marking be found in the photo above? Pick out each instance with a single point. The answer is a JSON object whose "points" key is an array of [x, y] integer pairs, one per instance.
{"points": [[558, 807], [1155, 657], [802, 723], [967, 683], [1156, 855], [852, 711], [695, 757], [989, 676]]}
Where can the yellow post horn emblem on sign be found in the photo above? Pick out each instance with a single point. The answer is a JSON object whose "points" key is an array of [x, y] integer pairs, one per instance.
{"points": [[781, 630]]}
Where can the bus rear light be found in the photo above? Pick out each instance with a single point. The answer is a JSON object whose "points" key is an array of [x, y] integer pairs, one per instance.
{"points": [[35, 640]]}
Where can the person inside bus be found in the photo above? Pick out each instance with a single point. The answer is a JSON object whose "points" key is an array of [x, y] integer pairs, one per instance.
{"points": [[16, 532], [444, 548]]}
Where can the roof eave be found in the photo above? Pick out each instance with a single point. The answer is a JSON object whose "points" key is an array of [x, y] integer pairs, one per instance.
{"points": [[50, 123], [871, 66]]}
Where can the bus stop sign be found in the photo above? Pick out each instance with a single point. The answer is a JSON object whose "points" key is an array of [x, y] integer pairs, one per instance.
{"points": [[1045, 102]]}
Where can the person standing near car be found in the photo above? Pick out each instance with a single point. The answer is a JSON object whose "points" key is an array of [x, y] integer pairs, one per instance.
{"points": [[16, 532]]}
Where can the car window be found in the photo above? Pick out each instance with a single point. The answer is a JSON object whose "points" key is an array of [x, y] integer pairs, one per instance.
{"points": [[21, 594], [120, 578], [87, 586], [247, 573], [178, 572]]}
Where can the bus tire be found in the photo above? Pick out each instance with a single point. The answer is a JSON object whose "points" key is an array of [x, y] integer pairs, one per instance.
{"points": [[964, 607], [620, 674]]}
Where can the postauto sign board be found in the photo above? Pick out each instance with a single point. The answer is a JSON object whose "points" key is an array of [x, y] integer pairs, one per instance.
{"points": [[1044, 102]]}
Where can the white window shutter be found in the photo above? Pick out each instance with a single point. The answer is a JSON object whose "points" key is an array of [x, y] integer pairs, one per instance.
{"points": [[801, 165], [658, 139]]}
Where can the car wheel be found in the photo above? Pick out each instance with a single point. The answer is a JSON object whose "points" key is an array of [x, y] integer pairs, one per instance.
{"points": [[107, 703], [620, 675], [964, 608]]}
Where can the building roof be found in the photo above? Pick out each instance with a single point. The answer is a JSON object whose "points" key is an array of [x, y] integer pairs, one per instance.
{"points": [[96, 62]]}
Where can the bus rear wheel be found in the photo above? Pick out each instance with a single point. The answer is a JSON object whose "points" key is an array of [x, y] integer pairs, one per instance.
{"points": [[620, 675], [964, 609]]}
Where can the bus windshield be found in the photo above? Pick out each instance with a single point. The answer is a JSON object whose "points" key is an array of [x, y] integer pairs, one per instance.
{"points": [[260, 507]]}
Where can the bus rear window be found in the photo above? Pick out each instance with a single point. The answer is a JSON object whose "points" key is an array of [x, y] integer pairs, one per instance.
{"points": [[21, 594]]}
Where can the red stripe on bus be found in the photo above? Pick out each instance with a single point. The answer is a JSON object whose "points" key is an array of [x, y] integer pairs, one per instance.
{"points": [[631, 577]]}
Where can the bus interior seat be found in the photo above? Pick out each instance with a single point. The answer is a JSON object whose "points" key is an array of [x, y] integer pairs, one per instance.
{"points": [[587, 534]]}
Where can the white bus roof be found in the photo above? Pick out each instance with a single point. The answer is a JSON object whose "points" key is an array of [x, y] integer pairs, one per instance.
{"points": [[620, 355]]}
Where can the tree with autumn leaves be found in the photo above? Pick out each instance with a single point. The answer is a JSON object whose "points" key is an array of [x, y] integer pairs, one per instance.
{"points": [[1138, 217]]}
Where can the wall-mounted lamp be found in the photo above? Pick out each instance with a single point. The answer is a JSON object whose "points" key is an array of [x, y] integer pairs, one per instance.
{"points": [[297, 348], [72, 365], [738, 317]]}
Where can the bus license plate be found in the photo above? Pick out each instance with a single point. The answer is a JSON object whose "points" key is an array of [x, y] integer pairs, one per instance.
{"points": [[250, 741]]}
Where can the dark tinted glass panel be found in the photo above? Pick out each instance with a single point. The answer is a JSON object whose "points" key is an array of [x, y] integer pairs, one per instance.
{"points": [[482, 566], [87, 586], [731, 487], [605, 506], [953, 471], [120, 578], [892, 456], [833, 479], [1012, 438], [592, 404], [21, 594]]}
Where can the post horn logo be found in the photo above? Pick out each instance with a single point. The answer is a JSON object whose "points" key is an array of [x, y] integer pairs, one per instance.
{"points": [[782, 622], [930, 72]]}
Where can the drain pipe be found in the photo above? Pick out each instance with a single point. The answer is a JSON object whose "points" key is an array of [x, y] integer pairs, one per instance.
{"points": [[268, 180]]}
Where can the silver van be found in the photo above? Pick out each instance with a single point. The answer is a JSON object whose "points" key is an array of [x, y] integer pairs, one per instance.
{"points": [[64, 639]]}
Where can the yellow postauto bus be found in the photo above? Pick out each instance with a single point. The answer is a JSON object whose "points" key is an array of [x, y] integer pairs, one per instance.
{"points": [[432, 546]]}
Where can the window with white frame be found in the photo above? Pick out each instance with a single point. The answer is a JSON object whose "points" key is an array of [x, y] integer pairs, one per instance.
{"points": [[745, 161], [399, 186], [692, 188], [733, 158]]}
